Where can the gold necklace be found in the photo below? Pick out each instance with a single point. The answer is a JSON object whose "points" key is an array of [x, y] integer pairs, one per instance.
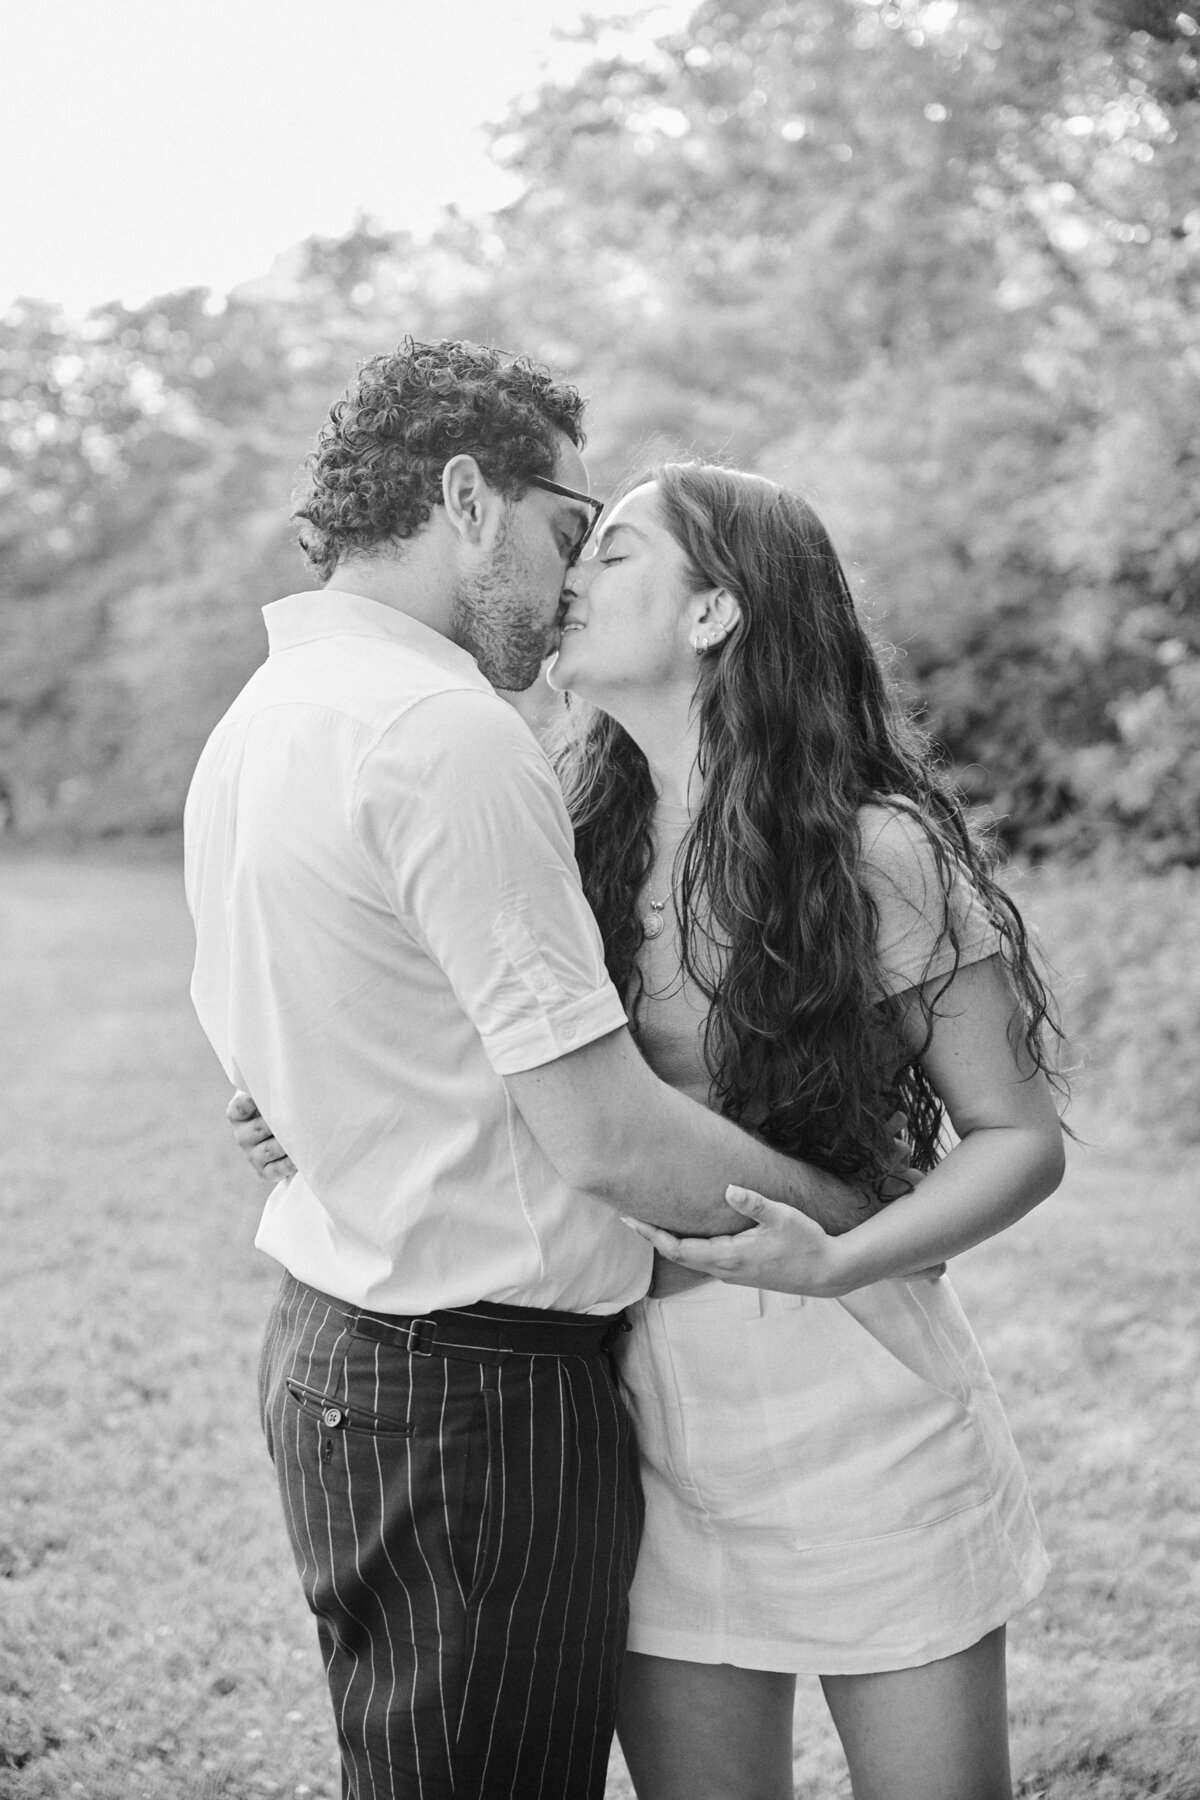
{"points": [[652, 921]]}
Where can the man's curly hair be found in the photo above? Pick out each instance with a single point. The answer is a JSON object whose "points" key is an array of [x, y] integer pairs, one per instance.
{"points": [[376, 471]]}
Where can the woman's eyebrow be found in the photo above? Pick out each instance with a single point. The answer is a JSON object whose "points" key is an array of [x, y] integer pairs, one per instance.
{"points": [[609, 531]]}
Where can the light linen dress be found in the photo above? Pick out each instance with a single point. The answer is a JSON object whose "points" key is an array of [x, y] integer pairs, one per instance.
{"points": [[831, 1485]]}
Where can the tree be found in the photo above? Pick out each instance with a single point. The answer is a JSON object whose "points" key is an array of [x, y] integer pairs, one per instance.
{"points": [[936, 263]]}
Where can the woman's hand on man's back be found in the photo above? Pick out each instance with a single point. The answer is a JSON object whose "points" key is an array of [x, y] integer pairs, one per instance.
{"points": [[254, 1138]]}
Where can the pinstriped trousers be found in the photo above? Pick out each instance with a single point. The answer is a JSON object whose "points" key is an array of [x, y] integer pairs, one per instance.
{"points": [[465, 1533]]}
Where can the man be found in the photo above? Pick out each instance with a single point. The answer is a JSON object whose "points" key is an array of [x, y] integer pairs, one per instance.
{"points": [[396, 959]]}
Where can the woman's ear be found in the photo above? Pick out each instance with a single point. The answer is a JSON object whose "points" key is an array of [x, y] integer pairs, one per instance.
{"points": [[712, 616]]}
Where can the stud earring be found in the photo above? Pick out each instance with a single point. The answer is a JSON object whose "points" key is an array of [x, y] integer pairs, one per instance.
{"points": [[701, 644]]}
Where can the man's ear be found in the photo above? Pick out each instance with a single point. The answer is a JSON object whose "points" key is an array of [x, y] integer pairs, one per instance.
{"points": [[470, 501], [712, 615]]}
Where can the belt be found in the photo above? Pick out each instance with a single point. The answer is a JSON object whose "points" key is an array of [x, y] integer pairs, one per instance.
{"points": [[489, 1333]]}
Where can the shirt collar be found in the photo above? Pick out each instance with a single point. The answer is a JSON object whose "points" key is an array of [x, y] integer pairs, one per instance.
{"points": [[305, 618]]}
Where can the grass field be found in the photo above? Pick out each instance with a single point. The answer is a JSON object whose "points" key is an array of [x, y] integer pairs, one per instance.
{"points": [[152, 1638]]}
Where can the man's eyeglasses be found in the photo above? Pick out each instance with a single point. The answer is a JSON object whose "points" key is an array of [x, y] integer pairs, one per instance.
{"points": [[595, 508]]}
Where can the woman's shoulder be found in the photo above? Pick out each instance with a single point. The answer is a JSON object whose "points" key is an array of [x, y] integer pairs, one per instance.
{"points": [[928, 912], [896, 852]]}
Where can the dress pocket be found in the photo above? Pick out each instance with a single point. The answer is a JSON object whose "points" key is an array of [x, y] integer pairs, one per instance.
{"points": [[878, 1435], [798, 1421], [921, 1324]]}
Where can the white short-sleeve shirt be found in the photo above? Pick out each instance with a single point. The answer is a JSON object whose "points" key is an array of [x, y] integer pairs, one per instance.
{"points": [[389, 919]]}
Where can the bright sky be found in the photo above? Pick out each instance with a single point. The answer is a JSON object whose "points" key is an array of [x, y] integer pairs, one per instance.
{"points": [[147, 145]]}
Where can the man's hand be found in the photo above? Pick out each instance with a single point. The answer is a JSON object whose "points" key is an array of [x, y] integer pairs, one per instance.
{"points": [[253, 1137], [786, 1250]]}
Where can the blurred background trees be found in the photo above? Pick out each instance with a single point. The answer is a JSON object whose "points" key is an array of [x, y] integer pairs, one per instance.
{"points": [[934, 263]]}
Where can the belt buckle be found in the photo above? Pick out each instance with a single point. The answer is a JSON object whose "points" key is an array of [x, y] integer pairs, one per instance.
{"points": [[421, 1334]]}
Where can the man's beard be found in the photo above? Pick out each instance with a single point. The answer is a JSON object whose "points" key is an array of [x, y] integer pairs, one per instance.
{"points": [[494, 621]]}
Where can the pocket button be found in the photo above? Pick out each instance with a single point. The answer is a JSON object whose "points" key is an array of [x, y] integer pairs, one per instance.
{"points": [[332, 1417]]}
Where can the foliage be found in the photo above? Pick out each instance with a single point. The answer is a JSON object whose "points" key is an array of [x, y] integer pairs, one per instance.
{"points": [[935, 264], [1121, 948], [934, 261], [147, 459]]}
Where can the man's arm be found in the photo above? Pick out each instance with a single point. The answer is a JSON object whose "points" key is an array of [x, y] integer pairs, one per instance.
{"points": [[1009, 1158], [456, 800], [611, 1128]]}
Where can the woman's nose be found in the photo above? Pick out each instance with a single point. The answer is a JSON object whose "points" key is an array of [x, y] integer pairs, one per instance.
{"points": [[578, 577]]}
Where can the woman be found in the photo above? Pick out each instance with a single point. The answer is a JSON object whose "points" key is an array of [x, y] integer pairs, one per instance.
{"points": [[808, 939]]}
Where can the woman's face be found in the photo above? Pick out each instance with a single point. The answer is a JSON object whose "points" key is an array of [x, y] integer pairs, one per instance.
{"points": [[626, 623]]}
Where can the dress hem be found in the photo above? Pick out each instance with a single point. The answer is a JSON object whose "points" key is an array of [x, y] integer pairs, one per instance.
{"points": [[785, 1658]]}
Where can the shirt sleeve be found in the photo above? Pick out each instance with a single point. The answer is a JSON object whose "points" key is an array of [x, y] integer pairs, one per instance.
{"points": [[463, 818], [916, 903]]}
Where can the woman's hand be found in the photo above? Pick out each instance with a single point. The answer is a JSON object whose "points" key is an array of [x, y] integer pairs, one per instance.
{"points": [[253, 1137], [786, 1250]]}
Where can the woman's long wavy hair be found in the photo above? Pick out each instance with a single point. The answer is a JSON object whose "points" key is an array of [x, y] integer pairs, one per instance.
{"points": [[799, 728]]}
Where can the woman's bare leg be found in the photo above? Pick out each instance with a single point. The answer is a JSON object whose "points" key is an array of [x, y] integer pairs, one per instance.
{"points": [[939, 1732], [705, 1731]]}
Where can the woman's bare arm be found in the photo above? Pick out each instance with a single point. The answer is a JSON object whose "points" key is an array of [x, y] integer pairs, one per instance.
{"points": [[1009, 1157]]}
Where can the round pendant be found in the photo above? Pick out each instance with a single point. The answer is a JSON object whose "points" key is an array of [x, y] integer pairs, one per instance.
{"points": [[652, 924]]}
